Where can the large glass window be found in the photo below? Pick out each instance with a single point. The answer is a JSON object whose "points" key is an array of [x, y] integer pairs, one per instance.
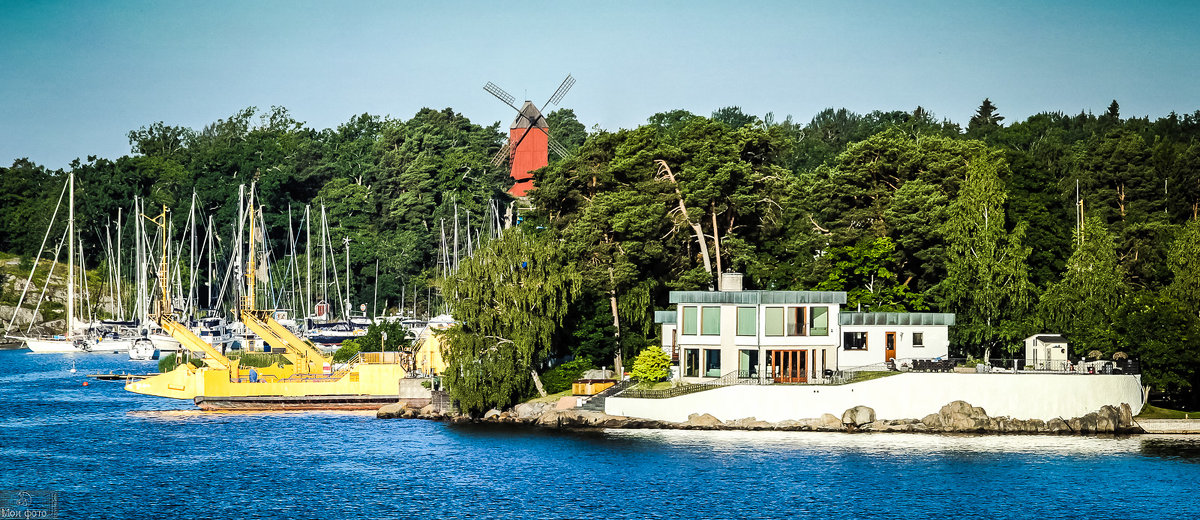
{"points": [[773, 316], [918, 339], [854, 340], [690, 322], [747, 363], [712, 363], [747, 321], [818, 321], [691, 362], [795, 321], [710, 321]]}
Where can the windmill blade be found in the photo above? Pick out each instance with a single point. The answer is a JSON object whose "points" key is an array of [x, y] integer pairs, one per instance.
{"points": [[558, 149], [562, 91], [501, 155], [500, 94]]}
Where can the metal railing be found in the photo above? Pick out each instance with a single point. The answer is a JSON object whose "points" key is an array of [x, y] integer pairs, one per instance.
{"points": [[735, 377]]}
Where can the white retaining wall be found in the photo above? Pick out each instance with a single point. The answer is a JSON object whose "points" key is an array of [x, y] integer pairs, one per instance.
{"points": [[901, 396]]}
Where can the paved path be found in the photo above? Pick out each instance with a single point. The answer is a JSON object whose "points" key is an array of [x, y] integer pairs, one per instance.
{"points": [[1169, 425]]}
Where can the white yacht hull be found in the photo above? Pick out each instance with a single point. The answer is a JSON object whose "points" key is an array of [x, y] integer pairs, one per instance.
{"points": [[66, 346]]}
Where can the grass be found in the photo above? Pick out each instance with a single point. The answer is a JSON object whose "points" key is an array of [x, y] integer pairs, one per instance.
{"points": [[552, 398], [867, 376], [661, 385], [1154, 412]]}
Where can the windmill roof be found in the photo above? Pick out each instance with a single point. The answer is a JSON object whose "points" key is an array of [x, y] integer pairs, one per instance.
{"points": [[529, 112]]}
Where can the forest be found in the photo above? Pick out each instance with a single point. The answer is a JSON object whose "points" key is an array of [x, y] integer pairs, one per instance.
{"points": [[1084, 225]]}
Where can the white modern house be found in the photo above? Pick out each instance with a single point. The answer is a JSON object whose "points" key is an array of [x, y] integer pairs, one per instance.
{"points": [[788, 336], [1046, 352]]}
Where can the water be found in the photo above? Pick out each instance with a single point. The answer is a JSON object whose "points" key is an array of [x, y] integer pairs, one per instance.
{"points": [[114, 454]]}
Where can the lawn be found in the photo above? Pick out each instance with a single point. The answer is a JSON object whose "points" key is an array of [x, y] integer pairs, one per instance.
{"points": [[1154, 412]]}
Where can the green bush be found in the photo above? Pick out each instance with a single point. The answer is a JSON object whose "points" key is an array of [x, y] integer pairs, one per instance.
{"points": [[260, 359], [652, 365], [559, 378], [348, 350]]}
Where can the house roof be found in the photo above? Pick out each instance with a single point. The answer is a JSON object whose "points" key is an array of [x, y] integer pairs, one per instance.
{"points": [[529, 112], [1048, 338], [665, 317], [757, 297], [896, 318]]}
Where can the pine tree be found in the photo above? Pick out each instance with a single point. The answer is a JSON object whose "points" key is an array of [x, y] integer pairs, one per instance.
{"points": [[985, 120]]}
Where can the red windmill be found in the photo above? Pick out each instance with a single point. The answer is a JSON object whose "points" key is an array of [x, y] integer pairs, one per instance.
{"points": [[528, 150]]}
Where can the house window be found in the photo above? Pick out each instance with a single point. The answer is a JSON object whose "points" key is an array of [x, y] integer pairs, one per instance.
{"points": [[918, 339], [712, 363], [689, 321], [855, 340], [691, 362], [818, 321], [795, 321], [747, 363], [747, 321], [773, 316], [710, 321]]}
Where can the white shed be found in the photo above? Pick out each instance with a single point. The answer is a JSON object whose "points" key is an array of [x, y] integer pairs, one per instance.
{"points": [[1046, 352]]}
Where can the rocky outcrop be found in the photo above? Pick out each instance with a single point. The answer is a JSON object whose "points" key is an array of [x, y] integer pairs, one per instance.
{"points": [[858, 416], [961, 417], [955, 417], [703, 421]]}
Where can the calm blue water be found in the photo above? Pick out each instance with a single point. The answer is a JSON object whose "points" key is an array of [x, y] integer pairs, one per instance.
{"points": [[113, 454]]}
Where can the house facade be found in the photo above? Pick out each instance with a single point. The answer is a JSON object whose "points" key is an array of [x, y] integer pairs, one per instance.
{"points": [[788, 336]]}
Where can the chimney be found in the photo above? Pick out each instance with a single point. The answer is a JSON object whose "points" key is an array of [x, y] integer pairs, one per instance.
{"points": [[731, 282]]}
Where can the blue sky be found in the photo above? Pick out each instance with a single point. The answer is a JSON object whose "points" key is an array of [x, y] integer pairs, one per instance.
{"points": [[75, 77]]}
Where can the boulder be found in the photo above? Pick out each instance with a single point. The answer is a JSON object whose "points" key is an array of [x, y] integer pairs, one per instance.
{"points": [[858, 416], [828, 422], [960, 416], [491, 414], [598, 374], [389, 411], [1125, 420], [703, 421], [1057, 425], [531, 410], [429, 409], [566, 403], [749, 423], [548, 419]]}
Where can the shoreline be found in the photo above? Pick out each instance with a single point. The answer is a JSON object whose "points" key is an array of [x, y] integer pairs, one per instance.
{"points": [[954, 418]]}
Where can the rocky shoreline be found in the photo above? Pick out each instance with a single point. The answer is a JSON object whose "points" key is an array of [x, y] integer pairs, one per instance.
{"points": [[955, 417]]}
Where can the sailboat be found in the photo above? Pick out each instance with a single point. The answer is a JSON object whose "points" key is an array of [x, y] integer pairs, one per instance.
{"points": [[71, 340]]}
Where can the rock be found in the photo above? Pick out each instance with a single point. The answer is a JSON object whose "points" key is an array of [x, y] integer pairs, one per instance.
{"points": [[531, 410], [749, 423], [491, 414], [429, 410], [828, 422], [1125, 420], [960, 416], [1057, 425], [389, 411], [598, 374], [1107, 419], [858, 416], [703, 421], [933, 421], [408, 413], [566, 403]]}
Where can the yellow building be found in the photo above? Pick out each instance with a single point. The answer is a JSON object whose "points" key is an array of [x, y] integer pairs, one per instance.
{"points": [[427, 356]]}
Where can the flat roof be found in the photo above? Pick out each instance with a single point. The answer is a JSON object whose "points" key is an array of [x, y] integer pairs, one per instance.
{"points": [[665, 317], [896, 318], [758, 297]]}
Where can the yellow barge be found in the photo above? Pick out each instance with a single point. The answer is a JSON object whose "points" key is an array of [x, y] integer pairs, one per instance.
{"points": [[308, 382]]}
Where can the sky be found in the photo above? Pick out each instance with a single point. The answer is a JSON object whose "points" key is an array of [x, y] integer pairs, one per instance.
{"points": [[76, 77]]}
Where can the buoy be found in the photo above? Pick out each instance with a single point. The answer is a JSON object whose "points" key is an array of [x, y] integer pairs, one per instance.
{"points": [[85, 383]]}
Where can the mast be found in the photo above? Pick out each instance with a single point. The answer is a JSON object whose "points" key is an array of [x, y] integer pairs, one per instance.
{"points": [[346, 241], [324, 261], [119, 307], [71, 258], [308, 261]]}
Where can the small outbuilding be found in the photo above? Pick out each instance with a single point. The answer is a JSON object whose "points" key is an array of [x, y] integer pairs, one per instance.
{"points": [[1046, 352]]}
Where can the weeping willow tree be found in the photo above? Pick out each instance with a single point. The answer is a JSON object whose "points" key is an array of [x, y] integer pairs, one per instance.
{"points": [[509, 299]]}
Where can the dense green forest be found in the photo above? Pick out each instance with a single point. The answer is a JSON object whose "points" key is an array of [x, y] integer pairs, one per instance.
{"points": [[1079, 224]]}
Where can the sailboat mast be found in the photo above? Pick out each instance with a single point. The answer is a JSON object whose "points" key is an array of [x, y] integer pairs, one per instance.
{"points": [[324, 261], [71, 259], [346, 241], [308, 261]]}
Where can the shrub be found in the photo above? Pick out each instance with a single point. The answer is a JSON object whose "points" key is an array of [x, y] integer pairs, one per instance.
{"points": [[559, 378], [348, 350], [652, 365], [261, 359]]}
